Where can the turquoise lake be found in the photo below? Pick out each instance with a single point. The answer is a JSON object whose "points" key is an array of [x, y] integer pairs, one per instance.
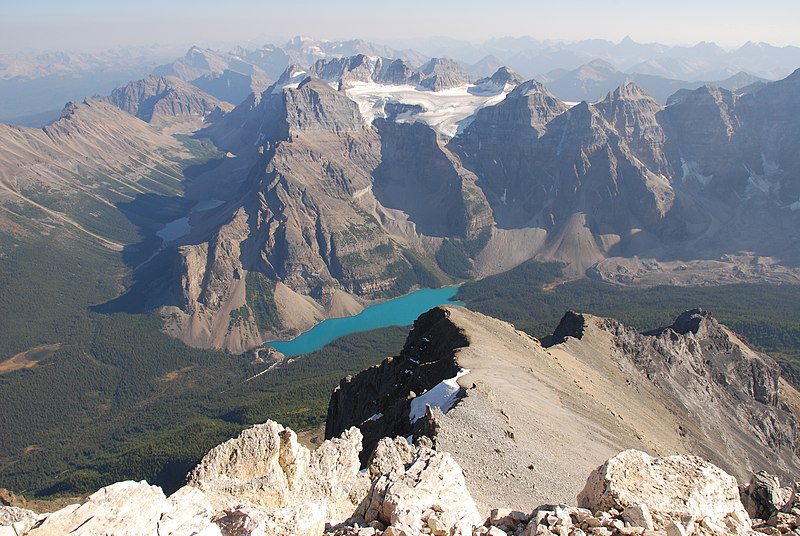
{"points": [[400, 311]]}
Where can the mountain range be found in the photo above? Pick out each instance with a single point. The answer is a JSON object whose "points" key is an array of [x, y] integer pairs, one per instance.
{"points": [[164, 210], [361, 178], [33, 88]]}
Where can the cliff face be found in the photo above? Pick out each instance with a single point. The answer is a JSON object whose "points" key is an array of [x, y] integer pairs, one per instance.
{"points": [[378, 400], [362, 192], [165, 100], [598, 387], [326, 213]]}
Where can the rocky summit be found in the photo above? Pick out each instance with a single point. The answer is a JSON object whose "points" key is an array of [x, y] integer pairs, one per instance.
{"points": [[674, 432], [506, 406], [264, 483]]}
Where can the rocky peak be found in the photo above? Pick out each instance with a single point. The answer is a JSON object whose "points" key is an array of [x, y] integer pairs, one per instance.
{"points": [[394, 72], [572, 324], [516, 121], [628, 91], [502, 77], [362, 68], [69, 110], [442, 73], [378, 400], [693, 321], [290, 78], [316, 106], [358, 68], [159, 99], [634, 116]]}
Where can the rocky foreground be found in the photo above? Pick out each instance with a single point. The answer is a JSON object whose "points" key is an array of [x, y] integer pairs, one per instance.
{"points": [[265, 483]]}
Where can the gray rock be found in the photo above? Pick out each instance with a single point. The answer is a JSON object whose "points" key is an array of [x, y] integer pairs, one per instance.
{"points": [[763, 497], [638, 515]]}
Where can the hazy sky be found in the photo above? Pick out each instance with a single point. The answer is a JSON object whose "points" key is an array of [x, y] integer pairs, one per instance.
{"points": [[91, 24]]}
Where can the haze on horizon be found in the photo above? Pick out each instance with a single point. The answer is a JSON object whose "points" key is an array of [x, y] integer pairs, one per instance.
{"points": [[97, 25]]}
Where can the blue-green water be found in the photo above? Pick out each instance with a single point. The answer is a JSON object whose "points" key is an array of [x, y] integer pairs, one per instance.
{"points": [[400, 311]]}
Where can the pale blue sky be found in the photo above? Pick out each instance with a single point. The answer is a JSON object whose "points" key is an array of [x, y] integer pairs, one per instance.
{"points": [[79, 24]]}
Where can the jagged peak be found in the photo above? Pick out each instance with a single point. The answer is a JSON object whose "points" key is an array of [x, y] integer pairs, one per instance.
{"points": [[628, 91], [292, 76], [69, 110], [572, 324], [503, 75], [703, 93], [692, 321], [438, 64], [530, 87]]}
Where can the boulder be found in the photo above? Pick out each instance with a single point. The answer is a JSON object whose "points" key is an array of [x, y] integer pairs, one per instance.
{"points": [[428, 493], [676, 489], [303, 519], [266, 468], [763, 497], [133, 509]]}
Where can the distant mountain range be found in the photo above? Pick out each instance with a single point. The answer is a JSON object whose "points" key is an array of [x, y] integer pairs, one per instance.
{"points": [[34, 88]]}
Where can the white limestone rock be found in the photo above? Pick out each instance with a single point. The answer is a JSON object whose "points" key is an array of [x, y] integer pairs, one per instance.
{"points": [[133, 509], [15, 521], [675, 489], [266, 468], [428, 491], [303, 519]]}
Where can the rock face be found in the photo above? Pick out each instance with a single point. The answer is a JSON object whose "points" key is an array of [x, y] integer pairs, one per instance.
{"points": [[164, 100], [672, 488], [386, 390], [266, 468], [692, 388], [335, 207], [418, 488], [442, 73], [325, 218], [728, 392]]}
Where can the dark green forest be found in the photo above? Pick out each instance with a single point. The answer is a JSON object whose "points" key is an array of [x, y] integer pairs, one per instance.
{"points": [[119, 399]]}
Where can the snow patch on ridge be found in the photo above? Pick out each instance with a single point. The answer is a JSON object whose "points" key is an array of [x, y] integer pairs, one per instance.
{"points": [[448, 111], [443, 395]]}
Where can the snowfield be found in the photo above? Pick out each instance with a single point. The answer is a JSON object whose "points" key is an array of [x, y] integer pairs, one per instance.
{"points": [[448, 112], [443, 395]]}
